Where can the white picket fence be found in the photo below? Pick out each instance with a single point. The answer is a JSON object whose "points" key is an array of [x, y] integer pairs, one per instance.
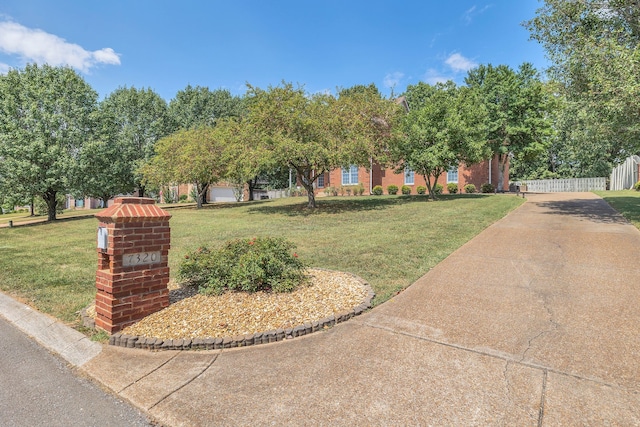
{"points": [[564, 185], [625, 174]]}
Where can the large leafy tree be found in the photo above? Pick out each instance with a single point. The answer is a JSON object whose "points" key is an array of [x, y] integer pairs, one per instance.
{"points": [[594, 47], [138, 118], [45, 118], [198, 106], [315, 133], [246, 157], [518, 107], [194, 155], [445, 125], [104, 164]]}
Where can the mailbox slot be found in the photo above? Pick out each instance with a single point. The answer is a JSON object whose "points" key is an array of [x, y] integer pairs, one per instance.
{"points": [[103, 238]]}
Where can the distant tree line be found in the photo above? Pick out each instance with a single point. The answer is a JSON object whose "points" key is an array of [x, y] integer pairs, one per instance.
{"points": [[56, 138]]}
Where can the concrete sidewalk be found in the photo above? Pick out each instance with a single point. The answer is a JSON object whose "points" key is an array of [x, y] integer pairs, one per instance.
{"points": [[536, 321]]}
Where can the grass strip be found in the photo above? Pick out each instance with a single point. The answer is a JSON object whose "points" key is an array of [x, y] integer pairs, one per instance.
{"points": [[627, 202]]}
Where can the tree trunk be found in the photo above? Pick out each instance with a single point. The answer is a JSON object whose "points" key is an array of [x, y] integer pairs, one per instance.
{"points": [[307, 183], [141, 191], [50, 198], [105, 199], [312, 197], [427, 180], [33, 207], [201, 194], [205, 190], [252, 183], [502, 162]]}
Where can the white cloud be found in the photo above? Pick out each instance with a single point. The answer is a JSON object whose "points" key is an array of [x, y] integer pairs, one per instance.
{"points": [[4, 68], [432, 76], [392, 80], [106, 56], [472, 12], [459, 63], [34, 45]]}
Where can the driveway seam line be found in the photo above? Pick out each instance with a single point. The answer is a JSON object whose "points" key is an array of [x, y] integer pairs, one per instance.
{"points": [[509, 359], [542, 398], [215, 357], [149, 373]]}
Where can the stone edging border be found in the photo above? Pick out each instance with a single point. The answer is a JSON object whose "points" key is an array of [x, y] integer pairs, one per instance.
{"points": [[132, 341]]}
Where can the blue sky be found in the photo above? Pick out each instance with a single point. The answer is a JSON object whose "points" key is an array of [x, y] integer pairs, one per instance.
{"points": [[323, 45]]}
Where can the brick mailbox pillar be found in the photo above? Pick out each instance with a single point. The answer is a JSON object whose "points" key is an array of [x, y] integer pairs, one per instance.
{"points": [[133, 271]]}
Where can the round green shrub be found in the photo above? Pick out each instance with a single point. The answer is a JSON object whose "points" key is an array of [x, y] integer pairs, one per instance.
{"points": [[452, 188], [421, 189], [487, 188], [392, 189], [637, 186], [469, 188], [250, 265], [406, 190], [437, 189], [377, 190]]}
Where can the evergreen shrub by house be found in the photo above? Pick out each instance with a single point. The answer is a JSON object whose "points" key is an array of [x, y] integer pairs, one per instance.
{"points": [[421, 189], [487, 188], [452, 188], [377, 190], [637, 186], [250, 265], [406, 190], [469, 188], [392, 189], [437, 189]]}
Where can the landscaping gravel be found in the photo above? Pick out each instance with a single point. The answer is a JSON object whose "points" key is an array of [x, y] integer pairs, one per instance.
{"points": [[192, 315]]}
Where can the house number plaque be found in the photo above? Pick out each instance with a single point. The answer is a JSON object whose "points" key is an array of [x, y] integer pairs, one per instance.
{"points": [[141, 258]]}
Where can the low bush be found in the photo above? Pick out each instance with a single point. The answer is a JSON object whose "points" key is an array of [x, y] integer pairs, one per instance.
{"points": [[250, 265], [421, 189], [452, 188], [377, 190], [183, 198], [331, 191], [487, 188], [437, 189], [470, 189], [637, 186], [392, 189], [406, 190]]}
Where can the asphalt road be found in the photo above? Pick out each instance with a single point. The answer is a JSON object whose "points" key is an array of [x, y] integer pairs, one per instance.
{"points": [[39, 389]]}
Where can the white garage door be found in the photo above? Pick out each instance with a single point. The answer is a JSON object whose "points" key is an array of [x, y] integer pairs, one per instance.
{"points": [[221, 194]]}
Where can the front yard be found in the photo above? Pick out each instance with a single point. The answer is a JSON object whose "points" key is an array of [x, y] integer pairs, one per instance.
{"points": [[390, 241]]}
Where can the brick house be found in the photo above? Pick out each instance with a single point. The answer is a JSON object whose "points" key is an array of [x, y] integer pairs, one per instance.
{"points": [[477, 174]]}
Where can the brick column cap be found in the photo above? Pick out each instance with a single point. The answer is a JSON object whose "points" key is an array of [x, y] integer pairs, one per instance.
{"points": [[127, 209]]}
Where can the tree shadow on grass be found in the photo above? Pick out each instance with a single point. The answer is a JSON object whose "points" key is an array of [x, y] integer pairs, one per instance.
{"points": [[629, 207], [341, 205], [596, 210]]}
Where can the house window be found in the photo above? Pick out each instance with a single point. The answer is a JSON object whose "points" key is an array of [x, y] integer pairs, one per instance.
{"points": [[350, 175], [452, 174], [409, 177], [321, 181]]}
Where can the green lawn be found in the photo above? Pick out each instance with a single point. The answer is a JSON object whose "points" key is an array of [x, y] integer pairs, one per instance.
{"points": [[22, 217], [390, 241], [627, 202]]}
